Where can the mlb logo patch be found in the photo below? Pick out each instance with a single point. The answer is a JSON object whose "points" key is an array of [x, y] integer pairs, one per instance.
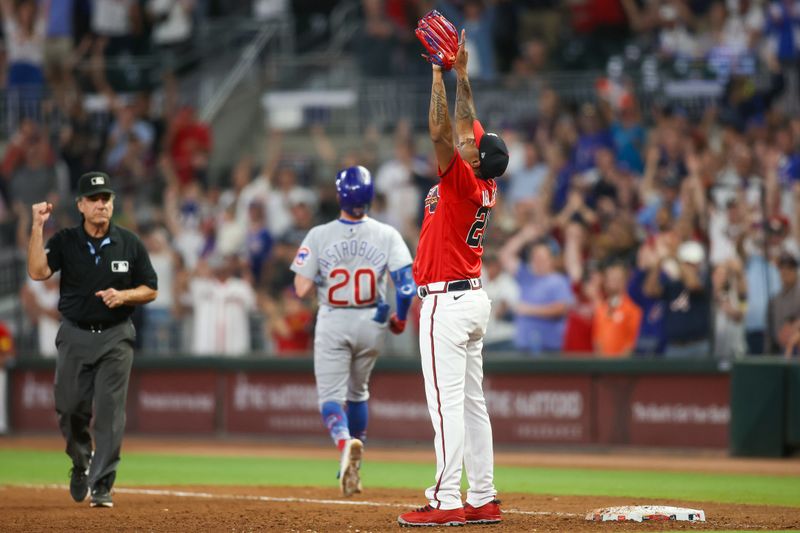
{"points": [[119, 266], [98, 180], [302, 256]]}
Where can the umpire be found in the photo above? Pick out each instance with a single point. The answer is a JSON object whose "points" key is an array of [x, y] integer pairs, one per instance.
{"points": [[105, 271]]}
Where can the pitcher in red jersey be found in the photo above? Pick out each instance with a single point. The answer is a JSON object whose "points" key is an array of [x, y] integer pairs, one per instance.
{"points": [[455, 309]]}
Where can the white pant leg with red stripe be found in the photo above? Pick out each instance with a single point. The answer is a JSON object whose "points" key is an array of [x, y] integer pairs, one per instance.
{"points": [[452, 326]]}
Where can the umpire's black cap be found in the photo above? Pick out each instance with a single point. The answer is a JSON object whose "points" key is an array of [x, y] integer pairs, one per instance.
{"points": [[492, 152], [94, 183]]}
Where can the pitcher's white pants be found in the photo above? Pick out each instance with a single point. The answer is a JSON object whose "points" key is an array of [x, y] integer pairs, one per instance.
{"points": [[451, 330]]}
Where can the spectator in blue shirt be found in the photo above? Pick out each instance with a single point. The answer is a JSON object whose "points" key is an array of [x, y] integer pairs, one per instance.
{"points": [[545, 294], [593, 136], [629, 138], [652, 339]]}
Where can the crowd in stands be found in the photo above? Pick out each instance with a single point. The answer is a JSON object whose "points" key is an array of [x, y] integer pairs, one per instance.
{"points": [[620, 229]]}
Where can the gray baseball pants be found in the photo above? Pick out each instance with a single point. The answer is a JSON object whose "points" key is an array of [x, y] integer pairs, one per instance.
{"points": [[93, 367]]}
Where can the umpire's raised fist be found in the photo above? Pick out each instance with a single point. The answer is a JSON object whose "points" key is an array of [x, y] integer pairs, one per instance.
{"points": [[41, 213]]}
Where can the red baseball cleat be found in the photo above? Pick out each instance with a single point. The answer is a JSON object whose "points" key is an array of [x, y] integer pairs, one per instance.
{"points": [[428, 516], [488, 513]]}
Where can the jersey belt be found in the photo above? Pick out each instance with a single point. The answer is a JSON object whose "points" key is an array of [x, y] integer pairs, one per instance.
{"points": [[441, 287]]}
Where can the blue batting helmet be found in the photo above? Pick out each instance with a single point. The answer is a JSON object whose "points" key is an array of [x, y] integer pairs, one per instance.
{"points": [[354, 186]]}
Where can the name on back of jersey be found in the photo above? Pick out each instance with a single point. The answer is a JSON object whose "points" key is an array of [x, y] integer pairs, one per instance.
{"points": [[339, 252]]}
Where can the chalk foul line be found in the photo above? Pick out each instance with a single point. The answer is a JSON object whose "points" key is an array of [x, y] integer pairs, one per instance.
{"points": [[275, 499]]}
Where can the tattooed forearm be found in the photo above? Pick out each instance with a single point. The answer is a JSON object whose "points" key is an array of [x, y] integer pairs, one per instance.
{"points": [[438, 110], [465, 109]]}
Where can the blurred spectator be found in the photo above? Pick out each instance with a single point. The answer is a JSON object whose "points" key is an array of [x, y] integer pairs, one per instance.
{"points": [[221, 305], [545, 294], [189, 143], [40, 301], [586, 286], [28, 166], [478, 21], [58, 48], [616, 317], [730, 300], [128, 137], [6, 353], [679, 280], [172, 22], [25, 28], [289, 324], [395, 179], [792, 340], [377, 52], [629, 137], [524, 185], [80, 142], [726, 230], [784, 307], [652, 339], [285, 193], [783, 25], [114, 23], [160, 332], [763, 282], [593, 136], [504, 294], [258, 240], [675, 41]]}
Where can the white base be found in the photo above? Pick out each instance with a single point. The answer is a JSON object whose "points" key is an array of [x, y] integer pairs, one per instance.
{"points": [[640, 513]]}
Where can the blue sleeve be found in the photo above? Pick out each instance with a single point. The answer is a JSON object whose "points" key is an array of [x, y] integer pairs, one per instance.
{"points": [[405, 289], [635, 287]]}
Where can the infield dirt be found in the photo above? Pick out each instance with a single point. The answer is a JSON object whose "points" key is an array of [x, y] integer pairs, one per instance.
{"points": [[51, 509]]}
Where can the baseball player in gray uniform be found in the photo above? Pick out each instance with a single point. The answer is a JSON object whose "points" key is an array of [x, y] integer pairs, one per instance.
{"points": [[348, 260]]}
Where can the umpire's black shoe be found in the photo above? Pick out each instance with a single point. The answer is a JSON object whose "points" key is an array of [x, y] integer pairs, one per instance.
{"points": [[78, 484], [101, 495]]}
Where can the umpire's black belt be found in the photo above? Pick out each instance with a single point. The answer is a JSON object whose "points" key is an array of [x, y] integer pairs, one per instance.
{"points": [[96, 327], [441, 287]]}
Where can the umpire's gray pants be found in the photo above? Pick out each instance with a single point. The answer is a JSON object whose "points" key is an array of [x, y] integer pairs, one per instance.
{"points": [[93, 366]]}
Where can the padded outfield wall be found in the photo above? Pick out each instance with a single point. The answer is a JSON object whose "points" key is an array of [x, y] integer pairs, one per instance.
{"points": [[682, 404]]}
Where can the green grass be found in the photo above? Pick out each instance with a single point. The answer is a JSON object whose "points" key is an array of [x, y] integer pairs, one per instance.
{"points": [[22, 466]]}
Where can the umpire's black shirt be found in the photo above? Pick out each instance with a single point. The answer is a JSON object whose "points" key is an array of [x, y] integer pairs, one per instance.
{"points": [[116, 261]]}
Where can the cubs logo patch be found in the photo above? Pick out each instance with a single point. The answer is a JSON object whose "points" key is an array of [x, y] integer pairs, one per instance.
{"points": [[302, 256]]}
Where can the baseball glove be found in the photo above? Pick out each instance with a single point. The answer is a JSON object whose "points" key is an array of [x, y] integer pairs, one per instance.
{"points": [[440, 39]]}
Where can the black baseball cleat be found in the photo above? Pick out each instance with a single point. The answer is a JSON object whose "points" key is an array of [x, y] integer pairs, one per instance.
{"points": [[101, 495], [78, 483]]}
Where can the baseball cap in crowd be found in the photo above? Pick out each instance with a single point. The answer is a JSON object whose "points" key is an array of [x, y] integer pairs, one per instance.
{"points": [[492, 152], [691, 252], [94, 183], [777, 225]]}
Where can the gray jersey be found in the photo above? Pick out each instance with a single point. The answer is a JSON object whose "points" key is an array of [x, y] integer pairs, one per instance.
{"points": [[349, 261]]}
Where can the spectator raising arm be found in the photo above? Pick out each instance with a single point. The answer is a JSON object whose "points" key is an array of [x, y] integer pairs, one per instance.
{"points": [[509, 253]]}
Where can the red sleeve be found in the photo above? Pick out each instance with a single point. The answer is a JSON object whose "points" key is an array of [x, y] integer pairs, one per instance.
{"points": [[457, 180]]}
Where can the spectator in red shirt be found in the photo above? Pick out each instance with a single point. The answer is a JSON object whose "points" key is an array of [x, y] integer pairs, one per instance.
{"points": [[289, 323], [585, 287], [189, 144]]}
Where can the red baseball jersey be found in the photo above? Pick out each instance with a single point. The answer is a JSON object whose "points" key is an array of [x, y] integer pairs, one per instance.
{"points": [[456, 213]]}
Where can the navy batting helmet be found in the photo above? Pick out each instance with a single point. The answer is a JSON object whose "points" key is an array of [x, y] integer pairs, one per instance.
{"points": [[354, 186]]}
